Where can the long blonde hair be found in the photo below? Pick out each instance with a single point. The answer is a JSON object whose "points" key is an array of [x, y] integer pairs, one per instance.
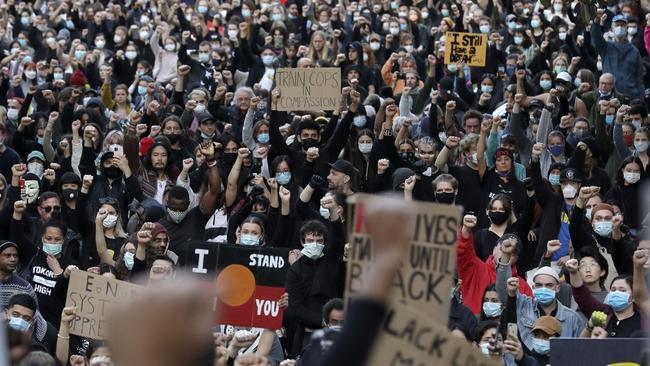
{"points": [[318, 55]]}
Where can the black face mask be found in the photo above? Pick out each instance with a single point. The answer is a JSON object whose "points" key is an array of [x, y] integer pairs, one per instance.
{"points": [[229, 158], [307, 143], [409, 157], [446, 198], [497, 217], [173, 138], [112, 172], [69, 194]]}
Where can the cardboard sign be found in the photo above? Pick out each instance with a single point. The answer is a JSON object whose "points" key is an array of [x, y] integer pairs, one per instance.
{"points": [[470, 48], [249, 281], [608, 351], [409, 338], [426, 276], [309, 89], [93, 295]]}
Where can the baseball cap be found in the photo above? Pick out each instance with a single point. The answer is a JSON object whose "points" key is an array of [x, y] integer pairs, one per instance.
{"points": [[564, 76], [619, 18], [570, 174], [36, 154], [548, 325], [546, 270], [343, 166]]}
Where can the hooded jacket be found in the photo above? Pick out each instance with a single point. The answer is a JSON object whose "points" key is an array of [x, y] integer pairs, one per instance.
{"points": [[477, 275]]}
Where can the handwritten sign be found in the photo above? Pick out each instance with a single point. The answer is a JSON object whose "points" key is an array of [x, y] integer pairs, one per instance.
{"points": [[426, 276], [409, 338], [249, 281], [309, 89], [470, 48], [93, 295]]}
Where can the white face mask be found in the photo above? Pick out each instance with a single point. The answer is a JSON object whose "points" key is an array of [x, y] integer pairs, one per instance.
{"points": [[12, 113], [109, 221], [313, 250], [365, 148], [631, 178], [131, 55], [171, 47], [100, 43], [30, 74], [232, 34], [144, 36], [569, 191], [36, 169], [375, 46]]}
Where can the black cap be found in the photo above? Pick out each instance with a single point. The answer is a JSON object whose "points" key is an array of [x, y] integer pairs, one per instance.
{"points": [[446, 85], [4, 244], [571, 175], [344, 167], [205, 116], [400, 175]]}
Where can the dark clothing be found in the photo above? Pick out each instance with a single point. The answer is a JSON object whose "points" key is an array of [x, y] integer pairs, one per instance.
{"points": [[469, 187], [461, 318], [8, 158], [627, 199], [192, 227], [492, 185], [310, 284]]}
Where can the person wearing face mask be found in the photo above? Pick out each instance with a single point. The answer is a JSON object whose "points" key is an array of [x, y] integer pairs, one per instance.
{"points": [[476, 274], [557, 207], [42, 261], [492, 306], [626, 191], [605, 233], [627, 80], [310, 279], [466, 173], [165, 58], [201, 69], [623, 315], [181, 220], [641, 141], [109, 235], [21, 314], [544, 304]]}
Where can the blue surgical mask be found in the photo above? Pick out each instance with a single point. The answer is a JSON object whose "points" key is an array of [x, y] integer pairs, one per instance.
{"points": [[518, 40], [277, 17], [283, 178], [53, 249], [263, 138], [588, 213], [485, 29], [25, 20], [58, 76], [618, 300], [609, 119], [444, 12], [545, 84], [22, 42], [556, 150], [267, 60], [245, 13], [487, 89], [19, 324], [541, 346], [453, 68], [79, 54], [603, 228], [359, 121], [402, 27], [249, 239], [577, 82], [492, 309], [535, 23], [554, 179], [512, 25], [129, 260], [202, 9], [544, 295], [142, 90]]}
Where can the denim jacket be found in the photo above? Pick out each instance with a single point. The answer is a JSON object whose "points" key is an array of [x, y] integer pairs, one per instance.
{"points": [[528, 312]]}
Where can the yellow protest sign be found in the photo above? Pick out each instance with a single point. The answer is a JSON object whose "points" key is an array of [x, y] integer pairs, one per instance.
{"points": [[93, 295], [308, 89], [470, 48], [426, 276]]}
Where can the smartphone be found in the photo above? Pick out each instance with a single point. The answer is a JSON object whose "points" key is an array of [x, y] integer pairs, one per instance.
{"points": [[117, 150], [501, 69], [512, 330]]}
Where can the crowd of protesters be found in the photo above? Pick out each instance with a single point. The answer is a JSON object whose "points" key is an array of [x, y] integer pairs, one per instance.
{"points": [[128, 128]]}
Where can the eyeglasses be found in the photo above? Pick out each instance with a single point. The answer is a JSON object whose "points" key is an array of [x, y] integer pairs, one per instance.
{"points": [[49, 209]]}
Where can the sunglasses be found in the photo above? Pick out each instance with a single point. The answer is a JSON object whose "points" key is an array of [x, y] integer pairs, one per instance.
{"points": [[49, 209]]}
